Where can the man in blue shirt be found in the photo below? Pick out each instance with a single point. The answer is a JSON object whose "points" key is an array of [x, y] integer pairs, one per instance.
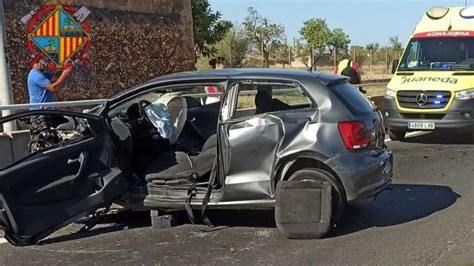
{"points": [[42, 85]]}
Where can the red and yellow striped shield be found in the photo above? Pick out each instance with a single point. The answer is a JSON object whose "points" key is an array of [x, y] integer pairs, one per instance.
{"points": [[59, 36]]}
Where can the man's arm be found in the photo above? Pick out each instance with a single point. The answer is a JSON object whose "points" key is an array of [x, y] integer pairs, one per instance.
{"points": [[56, 85], [55, 76]]}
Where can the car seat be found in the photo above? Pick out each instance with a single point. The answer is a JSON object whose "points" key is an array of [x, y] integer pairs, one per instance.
{"points": [[179, 165], [263, 102], [178, 109], [174, 178]]}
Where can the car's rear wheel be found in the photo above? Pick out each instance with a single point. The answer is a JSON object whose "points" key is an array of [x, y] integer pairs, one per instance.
{"points": [[337, 192], [396, 134], [308, 204], [338, 195]]}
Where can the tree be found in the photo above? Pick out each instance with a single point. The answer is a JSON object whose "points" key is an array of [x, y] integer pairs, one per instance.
{"points": [[253, 60], [372, 48], [234, 47], [208, 28], [281, 53], [303, 52], [338, 42], [263, 33], [383, 55], [358, 54], [396, 46], [317, 35]]}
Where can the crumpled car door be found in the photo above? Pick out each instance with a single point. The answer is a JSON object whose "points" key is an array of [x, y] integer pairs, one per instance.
{"points": [[53, 187], [250, 148]]}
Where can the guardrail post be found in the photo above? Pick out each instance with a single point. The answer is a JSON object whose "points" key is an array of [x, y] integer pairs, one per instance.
{"points": [[6, 95]]}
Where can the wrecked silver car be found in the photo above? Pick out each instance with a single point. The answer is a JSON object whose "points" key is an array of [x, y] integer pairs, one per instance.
{"points": [[303, 143]]}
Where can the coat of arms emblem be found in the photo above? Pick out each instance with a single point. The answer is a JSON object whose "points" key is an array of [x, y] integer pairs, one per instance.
{"points": [[58, 34]]}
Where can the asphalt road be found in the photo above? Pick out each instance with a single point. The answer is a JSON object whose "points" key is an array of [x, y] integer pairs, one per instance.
{"points": [[425, 217]]}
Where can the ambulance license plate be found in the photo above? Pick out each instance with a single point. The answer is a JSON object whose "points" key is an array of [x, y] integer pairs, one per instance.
{"points": [[421, 125]]}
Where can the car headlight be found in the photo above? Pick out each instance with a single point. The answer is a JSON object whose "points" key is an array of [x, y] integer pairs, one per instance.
{"points": [[390, 94], [465, 95]]}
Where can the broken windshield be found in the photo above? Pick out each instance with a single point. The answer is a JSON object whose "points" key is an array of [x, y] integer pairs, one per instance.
{"points": [[438, 54]]}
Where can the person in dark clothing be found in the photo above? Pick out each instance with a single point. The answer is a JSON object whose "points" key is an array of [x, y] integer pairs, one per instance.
{"points": [[351, 69]]}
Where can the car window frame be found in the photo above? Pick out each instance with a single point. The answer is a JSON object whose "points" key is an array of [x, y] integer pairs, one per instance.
{"points": [[77, 141], [347, 104], [163, 88], [233, 94]]}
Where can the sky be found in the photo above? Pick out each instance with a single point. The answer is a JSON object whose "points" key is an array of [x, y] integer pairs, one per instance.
{"points": [[365, 21]]}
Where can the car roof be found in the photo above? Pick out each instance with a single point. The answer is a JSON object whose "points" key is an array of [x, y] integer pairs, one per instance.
{"points": [[250, 73], [235, 73]]}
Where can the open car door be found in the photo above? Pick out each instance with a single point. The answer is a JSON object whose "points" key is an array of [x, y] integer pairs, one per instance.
{"points": [[67, 172]]}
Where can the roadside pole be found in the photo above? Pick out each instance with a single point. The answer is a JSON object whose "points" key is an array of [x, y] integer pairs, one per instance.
{"points": [[6, 94]]}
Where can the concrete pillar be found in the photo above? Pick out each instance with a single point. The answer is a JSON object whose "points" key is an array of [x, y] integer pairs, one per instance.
{"points": [[6, 94]]}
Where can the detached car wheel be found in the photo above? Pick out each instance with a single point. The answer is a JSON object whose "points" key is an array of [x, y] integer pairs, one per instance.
{"points": [[308, 204], [396, 134]]}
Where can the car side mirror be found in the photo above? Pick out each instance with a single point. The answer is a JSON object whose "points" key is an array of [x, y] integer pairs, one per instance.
{"points": [[394, 65]]}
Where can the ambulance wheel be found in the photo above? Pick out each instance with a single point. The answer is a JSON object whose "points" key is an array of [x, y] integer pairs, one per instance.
{"points": [[396, 134]]}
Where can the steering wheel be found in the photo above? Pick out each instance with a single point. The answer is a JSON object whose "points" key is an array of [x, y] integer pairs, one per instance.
{"points": [[144, 119]]}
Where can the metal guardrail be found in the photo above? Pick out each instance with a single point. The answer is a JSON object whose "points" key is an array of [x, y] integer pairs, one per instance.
{"points": [[15, 107], [371, 84], [51, 105]]}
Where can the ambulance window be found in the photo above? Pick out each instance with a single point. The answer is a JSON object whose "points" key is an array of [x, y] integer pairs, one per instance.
{"points": [[439, 54], [412, 58]]}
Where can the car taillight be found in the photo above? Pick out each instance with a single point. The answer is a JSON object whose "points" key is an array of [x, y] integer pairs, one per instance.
{"points": [[354, 134]]}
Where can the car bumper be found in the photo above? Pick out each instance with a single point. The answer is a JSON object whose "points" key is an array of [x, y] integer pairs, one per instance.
{"points": [[363, 175], [460, 117]]}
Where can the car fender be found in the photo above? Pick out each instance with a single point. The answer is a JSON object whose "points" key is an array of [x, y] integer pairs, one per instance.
{"points": [[285, 163]]}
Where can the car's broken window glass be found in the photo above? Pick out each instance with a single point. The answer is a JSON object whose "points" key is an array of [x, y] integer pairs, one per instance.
{"points": [[257, 97], [246, 99], [290, 95], [36, 133]]}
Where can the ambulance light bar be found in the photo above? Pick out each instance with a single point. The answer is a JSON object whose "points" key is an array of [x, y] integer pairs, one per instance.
{"points": [[467, 12], [437, 12]]}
